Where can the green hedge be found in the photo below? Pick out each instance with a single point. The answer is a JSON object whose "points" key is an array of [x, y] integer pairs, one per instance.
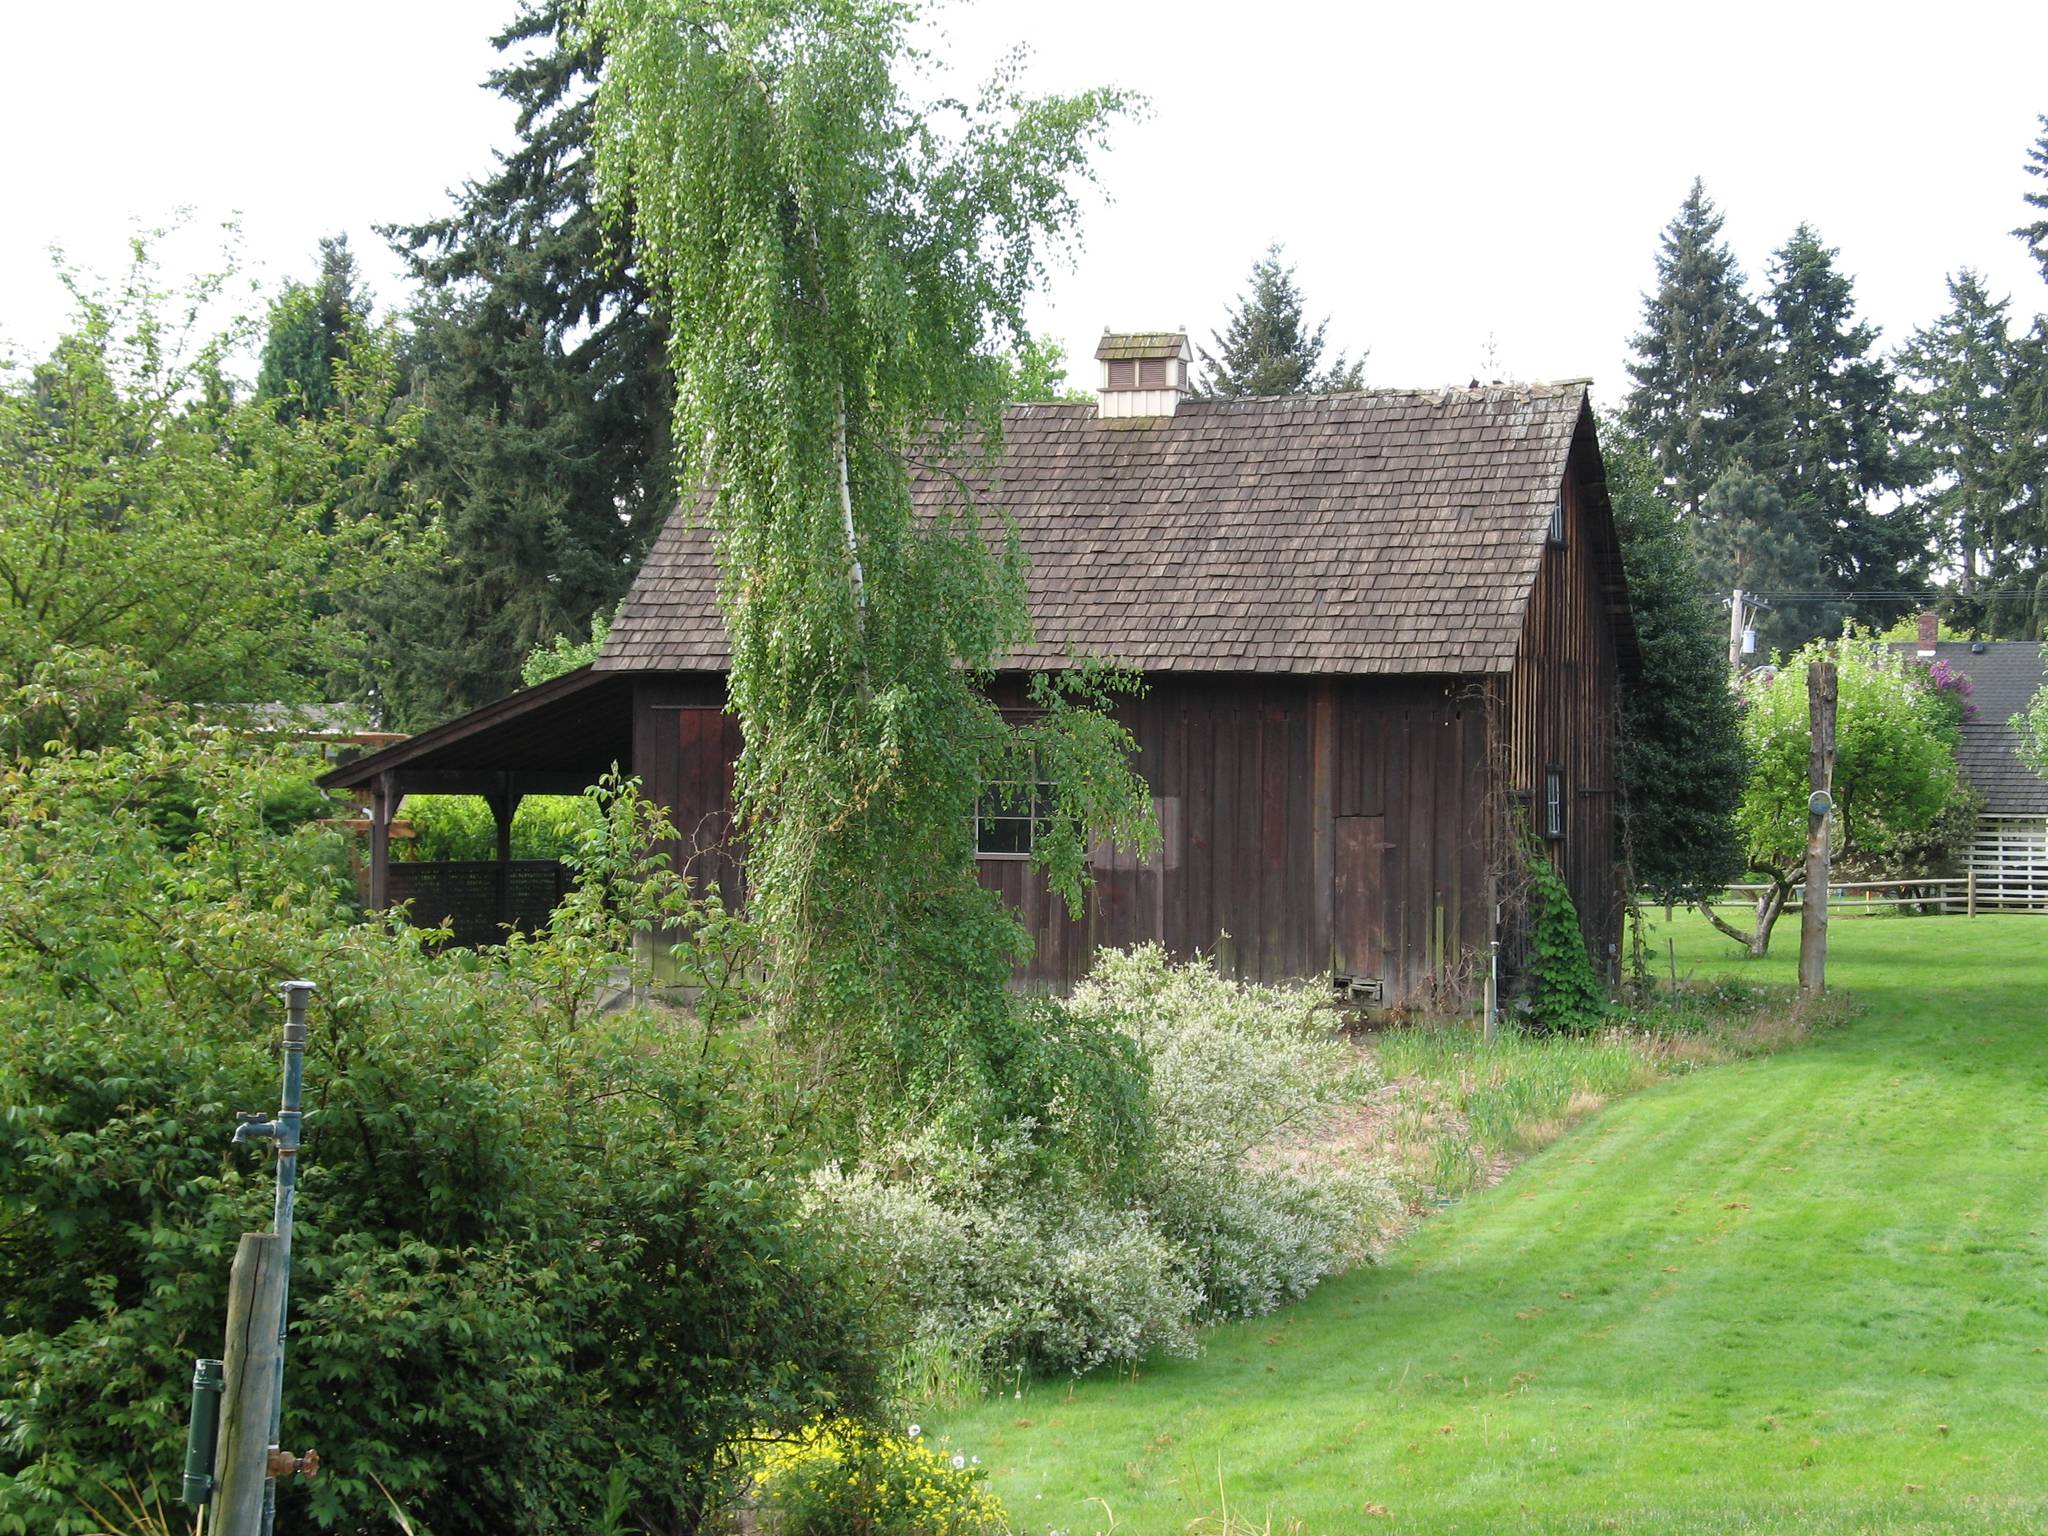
{"points": [[539, 1247], [459, 827]]}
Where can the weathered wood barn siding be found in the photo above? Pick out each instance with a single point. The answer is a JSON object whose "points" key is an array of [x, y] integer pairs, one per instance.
{"points": [[1559, 702], [685, 750], [1306, 826]]}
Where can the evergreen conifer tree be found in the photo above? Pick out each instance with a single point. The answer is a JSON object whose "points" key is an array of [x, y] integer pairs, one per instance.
{"points": [[544, 366], [2030, 420], [2035, 233], [308, 333], [1678, 754], [1840, 418], [1268, 348], [1962, 369], [1749, 539], [1699, 403]]}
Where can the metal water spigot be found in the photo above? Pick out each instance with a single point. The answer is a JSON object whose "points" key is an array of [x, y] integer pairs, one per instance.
{"points": [[283, 1464]]}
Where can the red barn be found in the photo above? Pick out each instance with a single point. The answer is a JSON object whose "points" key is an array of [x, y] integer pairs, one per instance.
{"points": [[1370, 626]]}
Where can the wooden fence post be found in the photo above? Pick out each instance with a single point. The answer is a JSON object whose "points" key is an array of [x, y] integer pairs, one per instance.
{"points": [[1970, 891], [1820, 778], [255, 1305]]}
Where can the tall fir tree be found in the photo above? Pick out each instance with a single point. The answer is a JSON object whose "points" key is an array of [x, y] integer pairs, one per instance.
{"points": [[1699, 402], [1840, 468], [1962, 371], [1268, 348], [543, 364], [2030, 407], [309, 331], [1678, 752], [1748, 538], [2035, 231]]}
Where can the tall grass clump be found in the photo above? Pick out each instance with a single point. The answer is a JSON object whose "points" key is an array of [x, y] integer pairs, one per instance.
{"points": [[1467, 1108], [1515, 1094]]}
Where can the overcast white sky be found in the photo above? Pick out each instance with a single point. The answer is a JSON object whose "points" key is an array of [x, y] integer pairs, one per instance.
{"points": [[1441, 175]]}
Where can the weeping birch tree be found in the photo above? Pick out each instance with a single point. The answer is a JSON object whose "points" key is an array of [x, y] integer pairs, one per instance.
{"points": [[844, 270]]}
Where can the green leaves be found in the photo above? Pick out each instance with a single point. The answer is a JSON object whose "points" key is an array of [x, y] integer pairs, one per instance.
{"points": [[147, 512], [843, 270], [1895, 766], [1566, 998], [530, 1230]]}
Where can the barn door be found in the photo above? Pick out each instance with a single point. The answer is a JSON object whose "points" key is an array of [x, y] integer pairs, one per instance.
{"points": [[707, 750], [1358, 902]]}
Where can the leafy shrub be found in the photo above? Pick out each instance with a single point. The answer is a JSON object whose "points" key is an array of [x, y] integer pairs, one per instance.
{"points": [[1008, 1270], [843, 1476], [530, 1231], [1234, 1068], [1005, 1251]]}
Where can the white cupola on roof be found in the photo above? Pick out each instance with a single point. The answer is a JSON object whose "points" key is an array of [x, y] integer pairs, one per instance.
{"points": [[1144, 373]]}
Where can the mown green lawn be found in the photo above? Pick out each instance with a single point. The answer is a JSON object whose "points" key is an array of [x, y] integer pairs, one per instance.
{"points": [[1804, 1292]]}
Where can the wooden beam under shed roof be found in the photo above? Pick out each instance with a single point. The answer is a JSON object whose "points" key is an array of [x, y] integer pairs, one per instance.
{"points": [[555, 738]]}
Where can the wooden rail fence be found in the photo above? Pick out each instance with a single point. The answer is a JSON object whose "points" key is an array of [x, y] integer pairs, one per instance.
{"points": [[1849, 898]]}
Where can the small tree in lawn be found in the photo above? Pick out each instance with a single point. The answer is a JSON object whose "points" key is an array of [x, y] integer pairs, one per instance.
{"points": [[844, 272], [1895, 769]]}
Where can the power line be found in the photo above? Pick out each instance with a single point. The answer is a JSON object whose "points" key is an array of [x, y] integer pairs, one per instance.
{"points": [[2005, 595]]}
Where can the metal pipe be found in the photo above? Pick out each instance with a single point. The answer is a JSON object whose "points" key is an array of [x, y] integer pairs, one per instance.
{"points": [[284, 1131], [295, 995]]}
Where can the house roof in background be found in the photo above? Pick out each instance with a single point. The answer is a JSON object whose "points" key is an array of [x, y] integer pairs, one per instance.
{"points": [[1388, 531], [2003, 681]]}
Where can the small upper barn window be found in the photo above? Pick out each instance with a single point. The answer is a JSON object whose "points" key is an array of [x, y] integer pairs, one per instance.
{"points": [[1557, 520], [1553, 803]]}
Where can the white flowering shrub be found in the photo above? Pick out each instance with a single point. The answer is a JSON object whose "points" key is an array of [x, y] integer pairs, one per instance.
{"points": [[1235, 1068], [1006, 1270], [1012, 1258]]}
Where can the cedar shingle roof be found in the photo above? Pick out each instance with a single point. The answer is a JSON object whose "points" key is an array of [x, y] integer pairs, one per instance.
{"points": [[1385, 531], [2003, 681]]}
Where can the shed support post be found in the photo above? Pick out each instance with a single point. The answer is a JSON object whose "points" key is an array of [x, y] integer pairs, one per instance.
{"points": [[382, 804], [504, 806]]}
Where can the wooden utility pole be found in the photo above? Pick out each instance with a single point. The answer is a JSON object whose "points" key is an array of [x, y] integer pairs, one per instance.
{"points": [[1735, 634], [1820, 779], [255, 1308]]}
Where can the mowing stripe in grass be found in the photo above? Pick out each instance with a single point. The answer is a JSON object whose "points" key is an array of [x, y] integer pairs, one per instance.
{"points": [[1804, 1292]]}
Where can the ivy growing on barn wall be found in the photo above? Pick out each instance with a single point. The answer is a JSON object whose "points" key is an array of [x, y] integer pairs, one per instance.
{"points": [[844, 272], [1566, 996]]}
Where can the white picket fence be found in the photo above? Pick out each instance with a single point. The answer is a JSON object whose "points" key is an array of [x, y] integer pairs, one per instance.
{"points": [[2009, 861]]}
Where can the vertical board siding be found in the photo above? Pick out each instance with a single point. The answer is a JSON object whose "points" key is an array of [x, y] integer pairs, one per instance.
{"points": [[1558, 710], [685, 749], [1307, 825]]}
